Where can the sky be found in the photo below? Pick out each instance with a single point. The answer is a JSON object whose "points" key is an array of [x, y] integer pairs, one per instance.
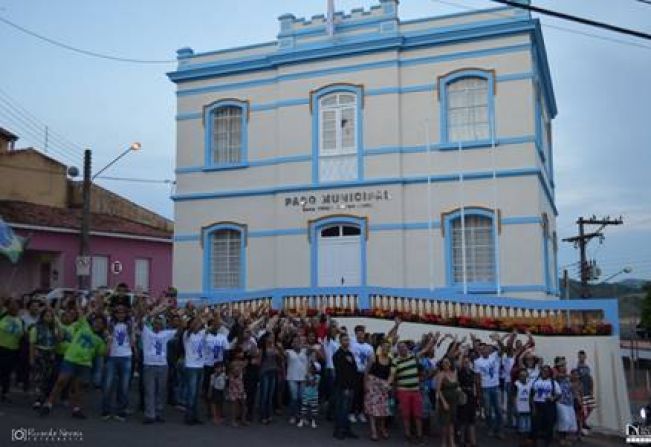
{"points": [[602, 134]]}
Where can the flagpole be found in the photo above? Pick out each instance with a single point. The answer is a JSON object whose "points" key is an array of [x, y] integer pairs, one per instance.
{"points": [[330, 18], [430, 225], [463, 222], [496, 216]]}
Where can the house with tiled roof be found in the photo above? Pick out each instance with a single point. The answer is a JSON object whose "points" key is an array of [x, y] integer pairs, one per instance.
{"points": [[128, 243]]}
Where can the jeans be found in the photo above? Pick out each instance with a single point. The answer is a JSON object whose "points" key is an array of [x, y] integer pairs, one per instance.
{"points": [[295, 394], [344, 402], [98, 372], [118, 371], [490, 399], [251, 379], [180, 385], [329, 392], [154, 379], [193, 380], [268, 381]]}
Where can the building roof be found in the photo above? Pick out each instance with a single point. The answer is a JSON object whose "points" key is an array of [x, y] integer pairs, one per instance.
{"points": [[70, 218], [6, 135]]}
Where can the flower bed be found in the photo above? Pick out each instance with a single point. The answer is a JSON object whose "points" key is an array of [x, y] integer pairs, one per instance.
{"points": [[536, 326]]}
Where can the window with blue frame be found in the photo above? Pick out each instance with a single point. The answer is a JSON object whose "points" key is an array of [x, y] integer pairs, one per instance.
{"points": [[224, 257], [337, 140], [471, 247], [226, 133], [467, 110]]}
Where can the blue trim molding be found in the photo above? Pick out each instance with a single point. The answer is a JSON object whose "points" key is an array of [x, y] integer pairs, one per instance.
{"points": [[478, 175], [458, 75], [397, 226], [208, 122], [315, 98], [448, 220], [315, 228], [207, 234]]}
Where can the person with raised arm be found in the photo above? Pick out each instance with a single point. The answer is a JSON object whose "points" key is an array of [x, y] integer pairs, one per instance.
{"points": [[89, 340], [488, 368], [154, 350]]}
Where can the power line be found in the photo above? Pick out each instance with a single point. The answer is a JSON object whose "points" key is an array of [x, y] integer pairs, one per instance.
{"points": [[137, 180], [25, 112], [124, 179], [80, 50], [572, 18], [555, 27]]}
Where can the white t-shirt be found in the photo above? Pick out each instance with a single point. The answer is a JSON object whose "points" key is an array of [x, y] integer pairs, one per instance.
{"points": [[544, 388], [194, 346], [154, 346], [296, 364], [214, 349], [329, 348], [363, 352], [523, 391], [532, 373], [218, 381], [507, 366], [489, 370], [121, 341]]}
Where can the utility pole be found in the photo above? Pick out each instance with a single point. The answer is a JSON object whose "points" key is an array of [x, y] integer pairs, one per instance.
{"points": [[581, 241], [85, 222]]}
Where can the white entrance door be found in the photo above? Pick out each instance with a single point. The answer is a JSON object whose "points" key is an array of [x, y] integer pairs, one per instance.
{"points": [[339, 256]]}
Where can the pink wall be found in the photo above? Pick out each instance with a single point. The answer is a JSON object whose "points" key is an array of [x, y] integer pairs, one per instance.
{"points": [[116, 249]]}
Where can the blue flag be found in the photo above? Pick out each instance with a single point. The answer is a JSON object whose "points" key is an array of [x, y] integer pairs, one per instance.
{"points": [[11, 246]]}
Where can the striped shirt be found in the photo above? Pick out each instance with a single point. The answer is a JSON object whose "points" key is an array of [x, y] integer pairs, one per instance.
{"points": [[406, 372]]}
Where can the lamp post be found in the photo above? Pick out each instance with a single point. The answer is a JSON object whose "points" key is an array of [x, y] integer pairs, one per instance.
{"points": [[84, 262]]}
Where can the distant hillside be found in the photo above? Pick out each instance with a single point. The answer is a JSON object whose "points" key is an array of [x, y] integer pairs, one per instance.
{"points": [[608, 290]]}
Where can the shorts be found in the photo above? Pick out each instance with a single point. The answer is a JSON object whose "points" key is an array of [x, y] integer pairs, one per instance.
{"points": [[80, 372], [217, 397], [411, 403], [524, 422]]}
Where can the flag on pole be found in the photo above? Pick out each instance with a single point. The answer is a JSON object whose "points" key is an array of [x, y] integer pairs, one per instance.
{"points": [[11, 246], [330, 18]]}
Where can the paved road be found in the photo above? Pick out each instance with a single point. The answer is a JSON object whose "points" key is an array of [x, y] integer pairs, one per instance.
{"points": [[174, 433]]}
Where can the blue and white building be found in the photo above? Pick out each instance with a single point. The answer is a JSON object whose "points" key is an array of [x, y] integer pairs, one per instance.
{"points": [[377, 154]]}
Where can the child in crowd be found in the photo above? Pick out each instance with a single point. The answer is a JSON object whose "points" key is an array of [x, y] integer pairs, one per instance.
{"points": [[216, 393], [522, 405], [310, 398]]}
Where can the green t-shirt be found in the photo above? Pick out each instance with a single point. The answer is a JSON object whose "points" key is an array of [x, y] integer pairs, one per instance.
{"points": [[11, 331], [66, 331], [85, 345]]}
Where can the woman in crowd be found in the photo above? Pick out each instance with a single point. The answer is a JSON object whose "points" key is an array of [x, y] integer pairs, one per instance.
{"points": [[270, 363], [377, 385], [448, 398], [545, 392], [467, 412], [42, 356]]}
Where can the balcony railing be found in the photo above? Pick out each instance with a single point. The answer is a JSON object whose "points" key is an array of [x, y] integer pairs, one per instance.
{"points": [[426, 305]]}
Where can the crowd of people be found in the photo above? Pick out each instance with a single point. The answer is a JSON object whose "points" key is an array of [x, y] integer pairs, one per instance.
{"points": [[228, 366]]}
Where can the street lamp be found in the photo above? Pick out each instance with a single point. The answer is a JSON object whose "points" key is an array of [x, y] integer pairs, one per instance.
{"points": [[624, 270], [83, 262], [134, 147]]}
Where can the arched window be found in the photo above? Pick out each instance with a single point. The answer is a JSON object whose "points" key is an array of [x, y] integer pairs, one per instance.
{"points": [[337, 116], [467, 108], [226, 133], [224, 257], [476, 234]]}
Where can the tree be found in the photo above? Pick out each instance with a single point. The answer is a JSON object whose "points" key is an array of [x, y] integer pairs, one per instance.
{"points": [[645, 314]]}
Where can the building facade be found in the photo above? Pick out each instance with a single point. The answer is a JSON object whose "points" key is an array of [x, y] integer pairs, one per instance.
{"points": [[376, 152], [128, 243]]}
